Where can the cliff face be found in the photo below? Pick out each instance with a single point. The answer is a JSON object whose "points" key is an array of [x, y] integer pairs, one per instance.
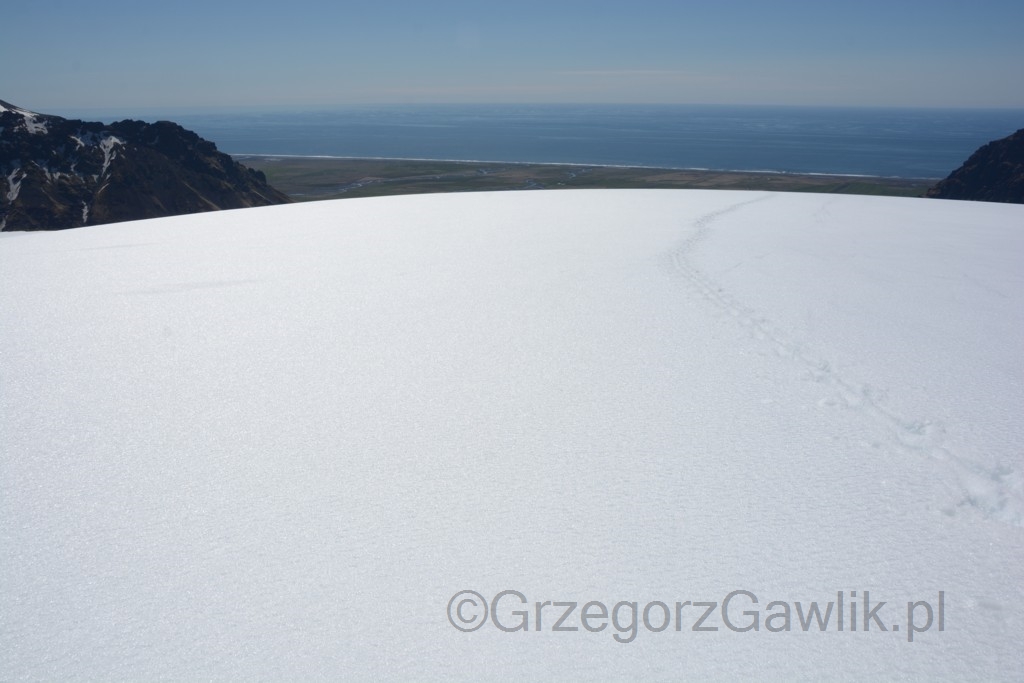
{"points": [[58, 173], [995, 173]]}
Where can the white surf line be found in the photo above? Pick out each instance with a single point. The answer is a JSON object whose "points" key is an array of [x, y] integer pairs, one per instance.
{"points": [[998, 494], [576, 164]]}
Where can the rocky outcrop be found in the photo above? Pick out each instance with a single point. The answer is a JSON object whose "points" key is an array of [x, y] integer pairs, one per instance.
{"points": [[995, 173], [58, 173]]}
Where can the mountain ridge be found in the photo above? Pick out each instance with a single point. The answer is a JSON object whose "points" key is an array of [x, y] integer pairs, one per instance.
{"points": [[994, 173], [58, 173]]}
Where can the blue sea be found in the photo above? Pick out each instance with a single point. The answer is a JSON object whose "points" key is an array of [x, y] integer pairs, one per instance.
{"points": [[907, 143]]}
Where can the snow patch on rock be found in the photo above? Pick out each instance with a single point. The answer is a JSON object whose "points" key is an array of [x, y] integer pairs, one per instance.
{"points": [[108, 145], [14, 183]]}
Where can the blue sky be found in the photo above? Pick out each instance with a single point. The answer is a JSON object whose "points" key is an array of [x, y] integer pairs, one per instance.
{"points": [[60, 55]]}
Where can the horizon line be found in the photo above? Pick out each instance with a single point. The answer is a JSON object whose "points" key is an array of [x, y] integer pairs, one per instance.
{"points": [[361, 105]]}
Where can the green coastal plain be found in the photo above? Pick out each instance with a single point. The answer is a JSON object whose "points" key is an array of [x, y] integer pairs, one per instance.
{"points": [[315, 178]]}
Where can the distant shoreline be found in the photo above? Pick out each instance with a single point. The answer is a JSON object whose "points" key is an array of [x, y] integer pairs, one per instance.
{"points": [[249, 155], [317, 177]]}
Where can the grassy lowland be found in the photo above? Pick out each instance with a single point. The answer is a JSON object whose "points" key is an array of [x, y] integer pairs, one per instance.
{"points": [[308, 179]]}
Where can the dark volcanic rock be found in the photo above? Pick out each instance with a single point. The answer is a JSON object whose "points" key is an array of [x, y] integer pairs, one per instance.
{"points": [[60, 173], [995, 173]]}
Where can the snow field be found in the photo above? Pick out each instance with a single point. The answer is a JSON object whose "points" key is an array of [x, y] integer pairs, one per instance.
{"points": [[274, 443]]}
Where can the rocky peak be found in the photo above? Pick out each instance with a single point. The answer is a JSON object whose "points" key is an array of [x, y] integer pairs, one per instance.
{"points": [[60, 173], [995, 173]]}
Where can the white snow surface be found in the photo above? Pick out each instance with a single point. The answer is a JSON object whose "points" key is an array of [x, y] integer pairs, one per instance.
{"points": [[272, 444]]}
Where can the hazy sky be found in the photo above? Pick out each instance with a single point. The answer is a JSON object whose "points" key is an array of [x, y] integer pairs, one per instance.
{"points": [[219, 53]]}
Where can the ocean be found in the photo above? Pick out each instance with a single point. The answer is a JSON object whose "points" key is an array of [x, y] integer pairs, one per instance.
{"points": [[904, 143]]}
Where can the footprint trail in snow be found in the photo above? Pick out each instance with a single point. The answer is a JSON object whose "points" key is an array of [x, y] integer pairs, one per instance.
{"points": [[995, 493]]}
